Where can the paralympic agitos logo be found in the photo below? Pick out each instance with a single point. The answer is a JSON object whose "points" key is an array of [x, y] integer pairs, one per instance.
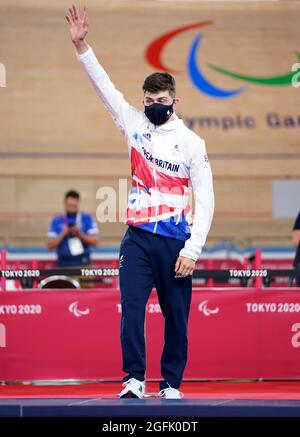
{"points": [[153, 56]]}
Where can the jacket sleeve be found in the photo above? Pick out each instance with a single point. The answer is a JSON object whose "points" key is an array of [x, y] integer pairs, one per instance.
{"points": [[54, 229], [121, 111], [203, 192]]}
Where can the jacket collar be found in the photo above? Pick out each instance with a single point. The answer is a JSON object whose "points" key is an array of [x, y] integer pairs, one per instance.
{"points": [[169, 126]]}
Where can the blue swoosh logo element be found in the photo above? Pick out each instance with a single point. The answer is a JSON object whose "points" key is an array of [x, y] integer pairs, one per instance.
{"points": [[199, 80]]}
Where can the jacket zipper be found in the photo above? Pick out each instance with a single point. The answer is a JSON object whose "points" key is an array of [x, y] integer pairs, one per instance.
{"points": [[155, 181]]}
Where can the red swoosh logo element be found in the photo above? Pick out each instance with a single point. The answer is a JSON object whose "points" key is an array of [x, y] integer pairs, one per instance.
{"points": [[154, 50]]}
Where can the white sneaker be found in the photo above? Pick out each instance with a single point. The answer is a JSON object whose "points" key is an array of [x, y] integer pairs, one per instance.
{"points": [[133, 389], [170, 393]]}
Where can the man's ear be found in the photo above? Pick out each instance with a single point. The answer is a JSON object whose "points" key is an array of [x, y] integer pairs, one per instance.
{"points": [[176, 101]]}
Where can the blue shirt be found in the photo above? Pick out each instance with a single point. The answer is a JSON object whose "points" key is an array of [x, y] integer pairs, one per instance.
{"points": [[87, 224]]}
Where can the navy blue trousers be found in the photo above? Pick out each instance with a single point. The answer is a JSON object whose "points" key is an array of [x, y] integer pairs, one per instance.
{"points": [[148, 260]]}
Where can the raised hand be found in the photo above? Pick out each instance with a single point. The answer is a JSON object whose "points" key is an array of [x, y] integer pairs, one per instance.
{"points": [[78, 25]]}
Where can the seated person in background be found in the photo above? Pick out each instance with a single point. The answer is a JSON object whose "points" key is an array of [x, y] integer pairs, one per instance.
{"points": [[72, 234], [296, 242]]}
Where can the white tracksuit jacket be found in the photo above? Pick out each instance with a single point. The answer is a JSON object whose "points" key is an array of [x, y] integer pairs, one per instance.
{"points": [[166, 161]]}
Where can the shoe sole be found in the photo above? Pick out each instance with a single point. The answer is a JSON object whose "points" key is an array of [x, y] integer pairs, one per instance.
{"points": [[129, 395]]}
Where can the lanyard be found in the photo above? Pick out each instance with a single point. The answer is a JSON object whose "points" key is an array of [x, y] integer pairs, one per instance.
{"points": [[78, 220]]}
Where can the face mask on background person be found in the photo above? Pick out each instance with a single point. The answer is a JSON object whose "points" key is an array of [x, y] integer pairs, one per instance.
{"points": [[158, 113]]}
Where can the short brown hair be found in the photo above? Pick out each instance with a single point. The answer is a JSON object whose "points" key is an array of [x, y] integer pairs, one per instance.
{"points": [[73, 194], [160, 82]]}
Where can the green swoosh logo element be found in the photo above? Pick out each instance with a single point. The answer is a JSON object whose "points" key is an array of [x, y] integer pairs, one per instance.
{"points": [[284, 79]]}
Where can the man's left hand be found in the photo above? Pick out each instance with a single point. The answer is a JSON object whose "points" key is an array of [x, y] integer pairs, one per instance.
{"points": [[184, 266], [76, 231]]}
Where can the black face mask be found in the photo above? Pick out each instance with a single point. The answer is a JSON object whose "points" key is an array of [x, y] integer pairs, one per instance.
{"points": [[71, 214], [158, 113]]}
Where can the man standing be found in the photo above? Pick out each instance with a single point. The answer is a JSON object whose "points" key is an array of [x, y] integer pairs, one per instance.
{"points": [[72, 233], [160, 246]]}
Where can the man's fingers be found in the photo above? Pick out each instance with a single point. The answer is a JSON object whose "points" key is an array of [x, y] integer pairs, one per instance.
{"points": [[177, 265], [68, 19], [185, 271], [86, 21], [190, 272], [184, 267], [71, 14], [84, 16], [76, 14], [181, 269]]}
